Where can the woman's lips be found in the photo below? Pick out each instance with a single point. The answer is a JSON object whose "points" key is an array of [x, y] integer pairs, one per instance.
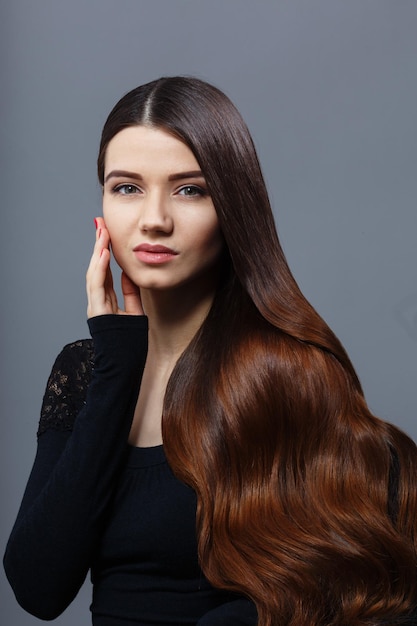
{"points": [[153, 254]]}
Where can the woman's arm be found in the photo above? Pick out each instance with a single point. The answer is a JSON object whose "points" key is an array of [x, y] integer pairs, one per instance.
{"points": [[63, 510]]}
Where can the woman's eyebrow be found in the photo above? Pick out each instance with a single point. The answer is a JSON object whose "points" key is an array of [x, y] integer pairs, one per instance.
{"points": [[122, 174], [136, 176], [181, 175]]}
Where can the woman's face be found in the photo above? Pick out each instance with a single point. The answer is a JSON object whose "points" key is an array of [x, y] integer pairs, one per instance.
{"points": [[162, 223]]}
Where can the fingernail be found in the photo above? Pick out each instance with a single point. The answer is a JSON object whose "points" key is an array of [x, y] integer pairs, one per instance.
{"points": [[96, 223]]}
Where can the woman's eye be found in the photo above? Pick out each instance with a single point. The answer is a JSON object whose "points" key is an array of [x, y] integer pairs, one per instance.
{"points": [[126, 189], [192, 191]]}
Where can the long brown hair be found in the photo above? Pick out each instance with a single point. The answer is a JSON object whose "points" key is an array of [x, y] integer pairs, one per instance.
{"points": [[306, 502]]}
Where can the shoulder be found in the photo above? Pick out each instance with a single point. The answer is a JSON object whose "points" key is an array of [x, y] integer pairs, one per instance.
{"points": [[76, 357], [67, 386]]}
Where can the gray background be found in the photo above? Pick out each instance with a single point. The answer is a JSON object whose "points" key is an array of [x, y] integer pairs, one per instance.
{"points": [[328, 88]]}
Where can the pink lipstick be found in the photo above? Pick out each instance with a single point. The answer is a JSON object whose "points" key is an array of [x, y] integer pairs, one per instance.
{"points": [[153, 254]]}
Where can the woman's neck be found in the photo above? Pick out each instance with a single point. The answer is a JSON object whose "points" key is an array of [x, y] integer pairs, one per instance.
{"points": [[174, 318]]}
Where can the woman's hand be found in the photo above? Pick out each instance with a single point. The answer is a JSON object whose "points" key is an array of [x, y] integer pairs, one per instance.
{"points": [[102, 299]]}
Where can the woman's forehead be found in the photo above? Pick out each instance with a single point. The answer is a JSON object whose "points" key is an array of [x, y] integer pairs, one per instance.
{"points": [[148, 148]]}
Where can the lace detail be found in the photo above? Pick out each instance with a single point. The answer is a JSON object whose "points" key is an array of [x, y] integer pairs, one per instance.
{"points": [[67, 386]]}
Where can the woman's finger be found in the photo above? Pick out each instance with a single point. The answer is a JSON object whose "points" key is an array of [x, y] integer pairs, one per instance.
{"points": [[101, 296], [131, 295]]}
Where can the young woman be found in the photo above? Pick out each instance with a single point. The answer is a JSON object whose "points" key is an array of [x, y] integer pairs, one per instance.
{"points": [[209, 454]]}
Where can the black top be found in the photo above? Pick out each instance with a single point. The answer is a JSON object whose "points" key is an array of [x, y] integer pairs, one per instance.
{"points": [[94, 502]]}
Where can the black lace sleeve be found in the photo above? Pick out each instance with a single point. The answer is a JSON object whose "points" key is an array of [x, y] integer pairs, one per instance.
{"points": [[67, 386], [84, 428]]}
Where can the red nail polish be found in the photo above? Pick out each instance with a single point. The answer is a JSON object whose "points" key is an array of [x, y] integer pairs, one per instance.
{"points": [[96, 223]]}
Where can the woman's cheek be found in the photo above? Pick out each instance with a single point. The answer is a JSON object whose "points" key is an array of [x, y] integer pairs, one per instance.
{"points": [[116, 252], [114, 243]]}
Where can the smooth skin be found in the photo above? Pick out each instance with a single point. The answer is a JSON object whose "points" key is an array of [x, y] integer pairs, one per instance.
{"points": [[155, 195]]}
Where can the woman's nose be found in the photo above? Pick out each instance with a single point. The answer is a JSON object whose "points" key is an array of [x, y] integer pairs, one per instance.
{"points": [[155, 214]]}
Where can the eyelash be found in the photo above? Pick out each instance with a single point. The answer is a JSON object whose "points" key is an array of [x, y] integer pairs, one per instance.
{"points": [[197, 191], [118, 189]]}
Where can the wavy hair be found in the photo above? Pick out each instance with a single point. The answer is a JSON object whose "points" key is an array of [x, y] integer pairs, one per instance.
{"points": [[306, 502]]}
